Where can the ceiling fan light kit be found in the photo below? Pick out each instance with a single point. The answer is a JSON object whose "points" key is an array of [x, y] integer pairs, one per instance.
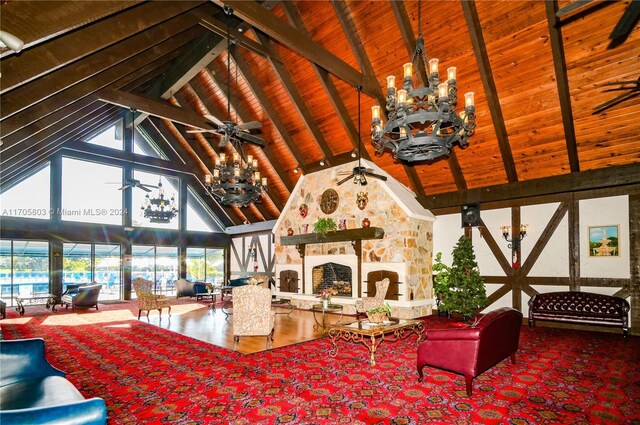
{"points": [[422, 122], [235, 182]]}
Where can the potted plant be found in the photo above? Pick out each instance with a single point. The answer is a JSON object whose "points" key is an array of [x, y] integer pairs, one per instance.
{"points": [[324, 225], [460, 287], [379, 314]]}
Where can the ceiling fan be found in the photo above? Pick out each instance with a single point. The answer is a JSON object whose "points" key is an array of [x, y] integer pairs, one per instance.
{"points": [[135, 183], [230, 131], [359, 174], [632, 87]]}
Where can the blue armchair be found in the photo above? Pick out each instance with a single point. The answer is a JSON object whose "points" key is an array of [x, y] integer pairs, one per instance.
{"points": [[32, 391], [81, 295]]}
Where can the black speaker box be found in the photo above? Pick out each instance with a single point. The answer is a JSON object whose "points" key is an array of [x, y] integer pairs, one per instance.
{"points": [[471, 215]]}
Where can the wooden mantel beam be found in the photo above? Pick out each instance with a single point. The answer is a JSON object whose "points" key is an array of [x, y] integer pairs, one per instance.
{"points": [[254, 14], [154, 107]]}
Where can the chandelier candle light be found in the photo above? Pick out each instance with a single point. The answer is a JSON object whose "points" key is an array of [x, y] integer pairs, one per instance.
{"points": [[422, 122], [159, 209]]}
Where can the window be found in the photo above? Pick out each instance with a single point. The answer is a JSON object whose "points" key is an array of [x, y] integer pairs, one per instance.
{"points": [[144, 145], [196, 213], [24, 269], [157, 264], [107, 268], [171, 187], [111, 137], [90, 192], [15, 204], [205, 264], [76, 264]]}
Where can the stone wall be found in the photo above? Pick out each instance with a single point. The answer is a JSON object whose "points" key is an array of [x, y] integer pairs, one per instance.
{"points": [[407, 240]]}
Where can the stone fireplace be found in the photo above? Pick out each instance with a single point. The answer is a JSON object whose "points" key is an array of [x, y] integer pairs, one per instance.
{"points": [[399, 245]]}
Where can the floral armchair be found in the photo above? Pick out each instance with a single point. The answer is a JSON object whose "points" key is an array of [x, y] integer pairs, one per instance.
{"points": [[147, 300], [252, 314], [369, 303]]}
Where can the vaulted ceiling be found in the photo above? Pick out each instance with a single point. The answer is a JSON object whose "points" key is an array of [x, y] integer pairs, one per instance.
{"points": [[538, 70]]}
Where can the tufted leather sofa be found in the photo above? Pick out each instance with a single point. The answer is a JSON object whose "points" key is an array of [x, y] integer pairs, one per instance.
{"points": [[472, 350], [32, 391], [580, 308]]}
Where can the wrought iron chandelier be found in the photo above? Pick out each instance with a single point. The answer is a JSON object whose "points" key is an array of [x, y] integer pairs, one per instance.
{"points": [[237, 182], [422, 121], [159, 209]]}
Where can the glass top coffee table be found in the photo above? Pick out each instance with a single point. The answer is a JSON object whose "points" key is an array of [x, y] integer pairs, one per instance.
{"points": [[372, 334], [322, 311], [37, 299]]}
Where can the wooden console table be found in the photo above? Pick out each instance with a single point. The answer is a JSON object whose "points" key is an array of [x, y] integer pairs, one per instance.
{"points": [[355, 236]]}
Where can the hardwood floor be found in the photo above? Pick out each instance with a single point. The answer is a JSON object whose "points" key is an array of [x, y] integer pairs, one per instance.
{"points": [[212, 326]]}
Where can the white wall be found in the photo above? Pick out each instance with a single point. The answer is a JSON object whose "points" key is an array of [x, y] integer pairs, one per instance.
{"points": [[605, 212]]}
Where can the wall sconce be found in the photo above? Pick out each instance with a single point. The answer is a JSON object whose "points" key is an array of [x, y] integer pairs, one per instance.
{"points": [[514, 242]]}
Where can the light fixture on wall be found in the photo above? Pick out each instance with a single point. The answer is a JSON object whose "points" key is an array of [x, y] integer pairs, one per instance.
{"points": [[237, 182], [423, 124], [159, 209], [514, 242]]}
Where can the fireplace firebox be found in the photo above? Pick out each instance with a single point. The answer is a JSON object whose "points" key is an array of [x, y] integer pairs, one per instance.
{"points": [[332, 275]]}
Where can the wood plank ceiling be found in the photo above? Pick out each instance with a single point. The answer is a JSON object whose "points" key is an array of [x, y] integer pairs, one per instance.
{"points": [[538, 69]]}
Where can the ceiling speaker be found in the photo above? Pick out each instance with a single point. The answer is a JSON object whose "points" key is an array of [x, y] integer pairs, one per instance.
{"points": [[471, 215]]}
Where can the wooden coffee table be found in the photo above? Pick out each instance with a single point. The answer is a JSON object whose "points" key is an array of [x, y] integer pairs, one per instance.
{"points": [[371, 334]]}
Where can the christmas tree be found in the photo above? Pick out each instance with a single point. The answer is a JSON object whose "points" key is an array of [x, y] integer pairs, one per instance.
{"points": [[461, 288]]}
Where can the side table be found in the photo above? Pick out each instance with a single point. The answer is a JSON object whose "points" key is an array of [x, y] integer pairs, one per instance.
{"points": [[322, 311]]}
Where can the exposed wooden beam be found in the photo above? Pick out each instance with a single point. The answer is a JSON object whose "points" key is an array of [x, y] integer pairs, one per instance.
{"points": [[44, 128], [61, 51], [37, 22], [61, 79], [257, 90], [491, 92], [154, 107], [287, 82], [201, 53], [495, 249], [219, 28], [585, 180], [253, 13], [544, 238], [91, 85], [573, 8], [344, 16], [562, 80]]}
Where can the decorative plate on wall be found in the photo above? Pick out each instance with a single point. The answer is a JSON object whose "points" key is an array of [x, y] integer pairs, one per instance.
{"points": [[329, 201]]}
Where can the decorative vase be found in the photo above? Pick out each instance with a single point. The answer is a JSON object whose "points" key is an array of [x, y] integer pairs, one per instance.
{"points": [[377, 317], [289, 231], [366, 222], [325, 304]]}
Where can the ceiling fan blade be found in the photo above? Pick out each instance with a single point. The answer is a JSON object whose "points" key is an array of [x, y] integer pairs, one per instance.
{"points": [[144, 185], [627, 22], [251, 125], [214, 120], [250, 138], [345, 179], [377, 176], [202, 131], [615, 101], [126, 186]]}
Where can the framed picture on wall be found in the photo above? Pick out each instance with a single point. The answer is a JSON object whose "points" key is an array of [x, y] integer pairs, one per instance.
{"points": [[603, 241]]}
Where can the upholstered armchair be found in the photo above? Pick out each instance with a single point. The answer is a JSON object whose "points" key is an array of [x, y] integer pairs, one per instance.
{"points": [[472, 350], [185, 288], [81, 295], [252, 314], [147, 300], [369, 303]]}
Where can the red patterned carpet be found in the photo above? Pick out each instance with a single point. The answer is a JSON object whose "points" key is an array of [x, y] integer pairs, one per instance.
{"points": [[150, 375]]}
